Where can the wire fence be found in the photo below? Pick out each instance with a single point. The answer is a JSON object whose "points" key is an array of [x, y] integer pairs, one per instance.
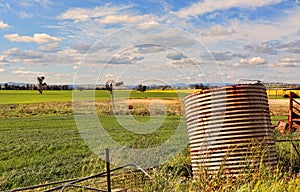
{"points": [[122, 178]]}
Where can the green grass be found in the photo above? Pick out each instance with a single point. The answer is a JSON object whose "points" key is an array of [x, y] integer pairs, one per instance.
{"points": [[32, 96], [42, 149], [40, 143], [275, 119], [126, 138], [39, 150]]}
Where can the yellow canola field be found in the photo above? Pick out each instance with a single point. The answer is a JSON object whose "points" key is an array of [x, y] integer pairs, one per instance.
{"points": [[281, 92], [277, 93], [175, 91]]}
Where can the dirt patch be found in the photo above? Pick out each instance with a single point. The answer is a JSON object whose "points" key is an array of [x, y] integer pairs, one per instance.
{"points": [[149, 101], [149, 107]]}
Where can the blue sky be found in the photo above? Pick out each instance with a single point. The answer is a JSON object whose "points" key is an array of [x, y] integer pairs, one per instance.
{"points": [[149, 41]]}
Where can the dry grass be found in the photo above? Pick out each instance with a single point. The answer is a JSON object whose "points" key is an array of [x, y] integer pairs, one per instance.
{"points": [[170, 107], [36, 109], [279, 107]]}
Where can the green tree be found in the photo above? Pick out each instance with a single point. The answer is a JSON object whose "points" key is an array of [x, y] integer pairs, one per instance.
{"points": [[141, 88]]}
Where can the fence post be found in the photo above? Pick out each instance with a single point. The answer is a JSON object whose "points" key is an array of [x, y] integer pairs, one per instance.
{"points": [[108, 170], [290, 120]]}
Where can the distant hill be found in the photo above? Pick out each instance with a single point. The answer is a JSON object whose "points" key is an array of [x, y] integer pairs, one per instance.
{"points": [[175, 85], [15, 83]]}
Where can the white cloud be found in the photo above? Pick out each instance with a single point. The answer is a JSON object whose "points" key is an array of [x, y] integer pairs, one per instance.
{"points": [[252, 61], [219, 56], [26, 3], [5, 60], [266, 47], [109, 14], [83, 14], [17, 38], [218, 31], [63, 75], [234, 41], [25, 15], [83, 47], [2, 60], [9, 51], [207, 6], [18, 54], [2, 70], [37, 38], [65, 57], [111, 19], [288, 62], [125, 59], [44, 3], [26, 72], [148, 24], [175, 56], [109, 76], [50, 47], [150, 48], [259, 36], [62, 57], [290, 47], [282, 28], [184, 63], [3, 25]]}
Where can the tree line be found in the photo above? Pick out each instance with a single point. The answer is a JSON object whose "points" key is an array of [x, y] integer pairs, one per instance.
{"points": [[7, 86]]}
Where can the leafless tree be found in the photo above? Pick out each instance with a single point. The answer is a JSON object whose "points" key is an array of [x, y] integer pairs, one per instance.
{"points": [[109, 85], [41, 84]]}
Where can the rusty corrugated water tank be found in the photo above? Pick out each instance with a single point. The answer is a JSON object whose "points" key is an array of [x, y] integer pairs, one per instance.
{"points": [[225, 123]]}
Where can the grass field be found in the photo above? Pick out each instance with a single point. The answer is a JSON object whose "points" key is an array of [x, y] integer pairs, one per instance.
{"points": [[40, 143], [38, 150], [43, 149], [32, 96]]}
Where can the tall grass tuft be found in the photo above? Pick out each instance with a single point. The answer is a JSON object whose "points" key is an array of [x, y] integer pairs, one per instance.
{"points": [[176, 174]]}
